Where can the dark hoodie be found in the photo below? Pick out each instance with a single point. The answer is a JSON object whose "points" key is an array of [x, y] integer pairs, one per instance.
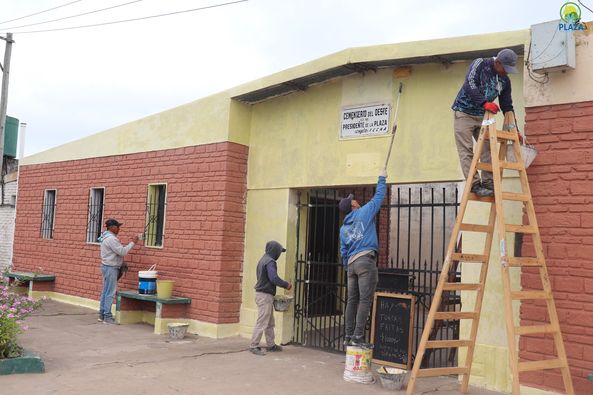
{"points": [[267, 274]]}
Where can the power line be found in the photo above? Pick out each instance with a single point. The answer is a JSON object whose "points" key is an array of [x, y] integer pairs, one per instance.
{"points": [[584, 6], [133, 19], [72, 16], [40, 12]]}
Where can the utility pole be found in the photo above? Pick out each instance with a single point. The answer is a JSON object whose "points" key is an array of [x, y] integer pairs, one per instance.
{"points": [[4, 96]]}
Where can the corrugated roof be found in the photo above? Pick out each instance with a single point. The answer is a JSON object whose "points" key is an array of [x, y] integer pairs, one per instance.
{"points": [[304, 82]]}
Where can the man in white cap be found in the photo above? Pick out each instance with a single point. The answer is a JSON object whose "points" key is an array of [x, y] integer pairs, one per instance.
{"points": [[485, 81]]}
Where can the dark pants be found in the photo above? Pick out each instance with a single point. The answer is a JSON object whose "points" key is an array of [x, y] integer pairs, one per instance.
{"points": [[362, 282]]}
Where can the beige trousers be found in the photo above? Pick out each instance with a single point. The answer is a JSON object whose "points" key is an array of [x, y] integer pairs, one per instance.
{"points": [[467, 129], [265, 320]]}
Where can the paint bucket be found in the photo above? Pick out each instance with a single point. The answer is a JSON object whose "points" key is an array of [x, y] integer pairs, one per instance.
{"points": [[164, 289], [177, 330], [528, 153], [391, 378], [358, 363], [147, 281], [282, 302], [358, 358]]}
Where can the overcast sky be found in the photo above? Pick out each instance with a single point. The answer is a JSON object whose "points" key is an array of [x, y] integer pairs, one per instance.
{"points": [[72, 83]]}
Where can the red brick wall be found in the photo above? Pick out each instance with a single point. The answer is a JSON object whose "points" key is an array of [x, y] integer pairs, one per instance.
{"points": [[204, 223], [561, 181]]}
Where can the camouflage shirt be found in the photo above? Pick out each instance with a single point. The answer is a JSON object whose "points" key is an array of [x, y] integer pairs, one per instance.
{"points": [[482, 85]]}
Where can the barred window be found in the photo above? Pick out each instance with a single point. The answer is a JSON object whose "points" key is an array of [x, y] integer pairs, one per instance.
{"points": [[154, 231], [95, 218], [48, 212]]}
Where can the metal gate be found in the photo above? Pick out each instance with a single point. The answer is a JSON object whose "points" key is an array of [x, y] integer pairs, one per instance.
{"points": [[413, 228]]}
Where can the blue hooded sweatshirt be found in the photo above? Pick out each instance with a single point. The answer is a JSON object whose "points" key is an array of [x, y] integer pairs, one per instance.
{"points": [[359, 233]]}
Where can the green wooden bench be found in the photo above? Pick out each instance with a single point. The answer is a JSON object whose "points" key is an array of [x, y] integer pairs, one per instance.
{"points": [[36, 282], [130, 309]]}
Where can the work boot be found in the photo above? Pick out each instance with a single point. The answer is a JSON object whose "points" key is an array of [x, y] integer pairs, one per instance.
{"points": [[257, 351], [274, 348]]}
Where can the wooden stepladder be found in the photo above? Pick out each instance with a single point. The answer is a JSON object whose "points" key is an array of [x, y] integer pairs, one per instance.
{"points": [[508, 140]]}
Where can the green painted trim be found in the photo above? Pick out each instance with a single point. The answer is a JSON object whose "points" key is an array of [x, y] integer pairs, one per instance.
{"points": [[30, 276], [29, 362], [153, 298]]}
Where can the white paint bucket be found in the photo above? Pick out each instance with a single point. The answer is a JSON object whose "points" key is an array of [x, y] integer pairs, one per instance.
{"points": [[147, 281]]}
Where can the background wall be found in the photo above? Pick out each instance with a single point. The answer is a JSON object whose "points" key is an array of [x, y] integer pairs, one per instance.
{"points": [[204, 223], [559, 122]]}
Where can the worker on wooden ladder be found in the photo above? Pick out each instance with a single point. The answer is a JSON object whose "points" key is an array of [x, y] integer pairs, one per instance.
{"points": [[486, 80]]}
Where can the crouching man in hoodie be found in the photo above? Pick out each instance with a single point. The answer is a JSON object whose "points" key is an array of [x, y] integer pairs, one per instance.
{"points": [[265, 290], [112, 257], [359, 248]]}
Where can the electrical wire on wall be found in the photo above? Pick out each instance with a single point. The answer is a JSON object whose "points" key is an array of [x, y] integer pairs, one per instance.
{"points": [[540, 79]]}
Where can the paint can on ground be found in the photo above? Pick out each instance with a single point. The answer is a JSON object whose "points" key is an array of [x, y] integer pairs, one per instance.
{"points": [[177, 330], [391, 378], [358, 363], [147, 281]]}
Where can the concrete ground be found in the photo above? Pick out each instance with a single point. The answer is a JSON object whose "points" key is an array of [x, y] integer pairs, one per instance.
{"points": [[84, 356]]}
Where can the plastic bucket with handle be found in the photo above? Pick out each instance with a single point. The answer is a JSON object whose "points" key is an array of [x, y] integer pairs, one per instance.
{"points": [[164, 289], [147, 281]]}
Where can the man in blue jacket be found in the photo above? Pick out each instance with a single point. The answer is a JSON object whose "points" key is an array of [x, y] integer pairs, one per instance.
{"points": [[486, 80], [359, 248]]}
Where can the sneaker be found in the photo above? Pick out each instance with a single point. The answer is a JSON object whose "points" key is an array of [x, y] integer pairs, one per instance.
{"points": [[275, 347], [257, 351], [359, 342], [481, 191], [101, 318], [110, 320], [476, 187], [347, 340], [485, 192]]}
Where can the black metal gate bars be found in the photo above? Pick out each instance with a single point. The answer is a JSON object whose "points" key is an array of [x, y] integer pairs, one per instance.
{"points": [[413, 226]]}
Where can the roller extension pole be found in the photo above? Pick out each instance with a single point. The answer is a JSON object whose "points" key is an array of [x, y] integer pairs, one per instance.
{"points": [[401, 87]]}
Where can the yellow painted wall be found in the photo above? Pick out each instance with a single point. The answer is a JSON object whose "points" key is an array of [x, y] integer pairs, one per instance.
{"points": [[271, 215], [570, 86], [295, 139], [200, 122], [491, 363]]}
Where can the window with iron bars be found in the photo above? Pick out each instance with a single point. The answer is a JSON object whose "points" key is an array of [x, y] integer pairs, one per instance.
{"points": [[48, 211], [95, 217], [154, 231]]}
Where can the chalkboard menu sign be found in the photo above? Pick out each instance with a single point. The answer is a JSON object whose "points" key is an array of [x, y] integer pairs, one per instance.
{"points": [[392, 329]]}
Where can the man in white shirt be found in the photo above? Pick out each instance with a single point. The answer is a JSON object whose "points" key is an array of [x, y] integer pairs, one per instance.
{"points": [[112, 257]]}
